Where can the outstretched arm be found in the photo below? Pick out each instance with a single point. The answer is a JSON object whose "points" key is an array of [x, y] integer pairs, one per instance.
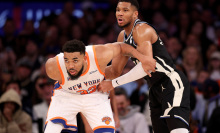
{"points": [[144, 36], [105, 53]]}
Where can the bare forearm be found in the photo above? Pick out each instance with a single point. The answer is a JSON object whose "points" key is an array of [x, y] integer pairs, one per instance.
{"points": [[110, 73], [128, 50]]}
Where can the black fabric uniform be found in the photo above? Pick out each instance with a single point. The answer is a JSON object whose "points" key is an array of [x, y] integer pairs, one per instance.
{"points": [[169, 89]]}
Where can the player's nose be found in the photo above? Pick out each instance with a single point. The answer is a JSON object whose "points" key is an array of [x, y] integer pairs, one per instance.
{"points": [[71, 65]]}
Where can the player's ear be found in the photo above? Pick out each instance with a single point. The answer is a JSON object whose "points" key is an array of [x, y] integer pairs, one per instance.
{"points": [[135, 15], [85, 57]]}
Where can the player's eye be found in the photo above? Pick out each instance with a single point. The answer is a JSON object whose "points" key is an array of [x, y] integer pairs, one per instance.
{"points": [[66, 61]]}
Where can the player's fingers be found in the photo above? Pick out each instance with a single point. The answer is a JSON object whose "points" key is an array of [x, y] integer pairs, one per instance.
{"points": [[98, 86], [154, 70], [148, 73]]}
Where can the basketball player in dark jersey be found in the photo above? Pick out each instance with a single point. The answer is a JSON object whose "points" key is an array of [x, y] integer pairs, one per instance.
{"points": [[169, 88]]}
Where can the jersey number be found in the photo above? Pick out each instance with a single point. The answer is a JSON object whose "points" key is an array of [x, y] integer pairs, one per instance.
{"points": [[90, 90]]}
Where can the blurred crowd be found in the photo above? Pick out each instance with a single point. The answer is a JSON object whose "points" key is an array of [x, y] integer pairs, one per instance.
{"points": [[190, 30]]}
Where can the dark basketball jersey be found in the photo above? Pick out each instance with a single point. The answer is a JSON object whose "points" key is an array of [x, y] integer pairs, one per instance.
{"points": [[169, 88], [164, 62]]}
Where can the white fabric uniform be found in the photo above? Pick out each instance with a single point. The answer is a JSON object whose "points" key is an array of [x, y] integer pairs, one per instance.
{"points": [[81, 95]]}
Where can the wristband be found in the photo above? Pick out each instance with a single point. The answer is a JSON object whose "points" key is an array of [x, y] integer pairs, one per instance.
{"points": [[134, 74]]}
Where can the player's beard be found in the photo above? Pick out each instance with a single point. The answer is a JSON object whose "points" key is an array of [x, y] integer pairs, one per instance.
{"points": [[124, 26], [72, 77]]}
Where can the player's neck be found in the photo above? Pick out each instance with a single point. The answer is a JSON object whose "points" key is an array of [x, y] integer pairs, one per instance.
{"points": [[129, 28]]}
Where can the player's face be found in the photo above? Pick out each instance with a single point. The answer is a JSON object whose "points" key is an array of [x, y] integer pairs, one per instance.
{"points": [[122, 104], [74, 64], [125, 14]]}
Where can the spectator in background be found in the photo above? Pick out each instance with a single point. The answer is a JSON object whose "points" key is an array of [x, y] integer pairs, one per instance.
{"points": [[51, 41], [211, 49], [207, 103], [40, 110], [192, 62], [41, 31], [63, 23], [183, 26], [9, 35], [199, 30], [214, 122], [201, 78], [7, 58], [31, 55], [193, 40], [68, 8], [214, 66], [174, 48], [12, 118], [131, 120], [77, 32], [139, 96], [38, 91], [26, 103], [23, 73], [21, 42], [29, 29], [159, 21]]}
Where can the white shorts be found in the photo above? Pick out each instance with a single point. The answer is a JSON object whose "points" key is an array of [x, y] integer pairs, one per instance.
{"points": [[96, 108]]}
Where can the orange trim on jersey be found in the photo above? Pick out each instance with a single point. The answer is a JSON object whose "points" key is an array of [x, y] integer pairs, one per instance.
{"points": [[61, 72], [46, 123], [103, 127], [88, 66], [96, 61]]}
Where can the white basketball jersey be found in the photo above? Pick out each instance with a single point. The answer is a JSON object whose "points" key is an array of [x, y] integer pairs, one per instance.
{"points": [[87, 82]]}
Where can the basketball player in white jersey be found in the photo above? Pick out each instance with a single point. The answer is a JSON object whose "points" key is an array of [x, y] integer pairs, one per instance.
{"points": [[78, 71]]}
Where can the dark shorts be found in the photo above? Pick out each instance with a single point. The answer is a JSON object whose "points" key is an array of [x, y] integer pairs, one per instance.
{"points": [[170, 103]]}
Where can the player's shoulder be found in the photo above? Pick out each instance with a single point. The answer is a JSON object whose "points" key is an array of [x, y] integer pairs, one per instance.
{"points": [[51, 61], [51, 64], [121, 36], [122, 32], [143, 27], [52, 68]]}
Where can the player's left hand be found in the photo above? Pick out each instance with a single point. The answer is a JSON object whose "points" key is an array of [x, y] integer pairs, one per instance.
{"points": [[149, 65], [105, 86]]}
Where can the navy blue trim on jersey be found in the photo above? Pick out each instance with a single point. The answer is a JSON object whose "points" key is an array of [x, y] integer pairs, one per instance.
{"points": [[177, 118], [63, 122], [104, 130]]}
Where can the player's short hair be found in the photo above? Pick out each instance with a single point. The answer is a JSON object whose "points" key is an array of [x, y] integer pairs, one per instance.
{"points": [[74, 46], [121, 91], [133, 2]]}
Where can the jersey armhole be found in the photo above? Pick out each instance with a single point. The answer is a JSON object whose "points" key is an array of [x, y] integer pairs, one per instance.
{"points": [[61, 72], [96, 61]]}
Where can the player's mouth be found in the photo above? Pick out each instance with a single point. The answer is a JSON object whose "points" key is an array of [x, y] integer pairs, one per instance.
{"points": [[72, 72], [120, 21]]}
